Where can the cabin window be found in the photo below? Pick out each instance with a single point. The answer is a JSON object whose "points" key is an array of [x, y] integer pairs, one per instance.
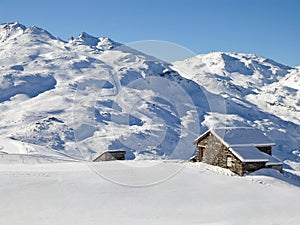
{"points": [[229, 161]]}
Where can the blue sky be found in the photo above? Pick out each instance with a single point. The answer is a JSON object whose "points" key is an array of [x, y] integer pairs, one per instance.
{"points": [[270, 28]]}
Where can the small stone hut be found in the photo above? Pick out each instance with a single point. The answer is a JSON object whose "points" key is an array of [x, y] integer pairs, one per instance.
{"points": [[239, 149], [111, 155]]}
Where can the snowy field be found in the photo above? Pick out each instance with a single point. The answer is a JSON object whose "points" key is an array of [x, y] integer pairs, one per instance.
{"points": [[144, 192]]}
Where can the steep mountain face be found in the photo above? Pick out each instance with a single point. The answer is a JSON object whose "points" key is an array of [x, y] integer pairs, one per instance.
{"points": [[82, 97]]}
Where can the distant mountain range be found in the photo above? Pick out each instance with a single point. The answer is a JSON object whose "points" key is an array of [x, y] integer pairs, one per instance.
{"points": [[78, 98]]}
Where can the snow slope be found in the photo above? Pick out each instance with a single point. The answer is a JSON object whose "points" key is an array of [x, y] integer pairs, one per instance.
{"points": [[126, 193], [281, 98], [79, 98]]}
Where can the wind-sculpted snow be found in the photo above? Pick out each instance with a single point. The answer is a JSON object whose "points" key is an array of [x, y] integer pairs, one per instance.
{"points": [[30, 85]]}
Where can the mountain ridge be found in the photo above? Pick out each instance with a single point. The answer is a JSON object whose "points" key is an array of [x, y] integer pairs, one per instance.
{"points": [[93, 94]]}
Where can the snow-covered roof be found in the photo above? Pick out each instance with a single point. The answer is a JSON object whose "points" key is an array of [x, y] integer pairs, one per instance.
{"points": [[242, 142], [249, 154], [273, 160], [239, 136], [242, 136], [252, 154]]}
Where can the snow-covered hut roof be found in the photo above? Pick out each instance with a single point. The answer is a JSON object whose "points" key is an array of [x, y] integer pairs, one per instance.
{"points": [[239, 136], [249, 154], [273, 160], [252, 154]]}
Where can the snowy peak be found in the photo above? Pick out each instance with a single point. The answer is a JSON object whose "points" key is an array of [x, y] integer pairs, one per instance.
{"points": [[249, 64], [107, 44], [101, 43], [246, 64], [12, 26], [39, 32], [232, 73], [87, 39], [11, 31]]}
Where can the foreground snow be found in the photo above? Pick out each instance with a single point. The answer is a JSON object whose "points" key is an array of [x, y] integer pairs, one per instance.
{"points": [[144, 192]]}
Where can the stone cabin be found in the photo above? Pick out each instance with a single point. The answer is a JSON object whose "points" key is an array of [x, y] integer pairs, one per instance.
{"points": [[239, 149], [111, 155]]}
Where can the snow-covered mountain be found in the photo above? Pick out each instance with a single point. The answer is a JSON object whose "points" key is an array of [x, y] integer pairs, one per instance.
{"points": [[232, 73], [256, 91], [272, 87], [87, 95]]}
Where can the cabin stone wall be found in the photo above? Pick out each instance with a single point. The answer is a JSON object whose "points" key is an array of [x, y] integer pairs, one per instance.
{"points": [[252, 166], [236, 164], [212, 147], [216, 153]]}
